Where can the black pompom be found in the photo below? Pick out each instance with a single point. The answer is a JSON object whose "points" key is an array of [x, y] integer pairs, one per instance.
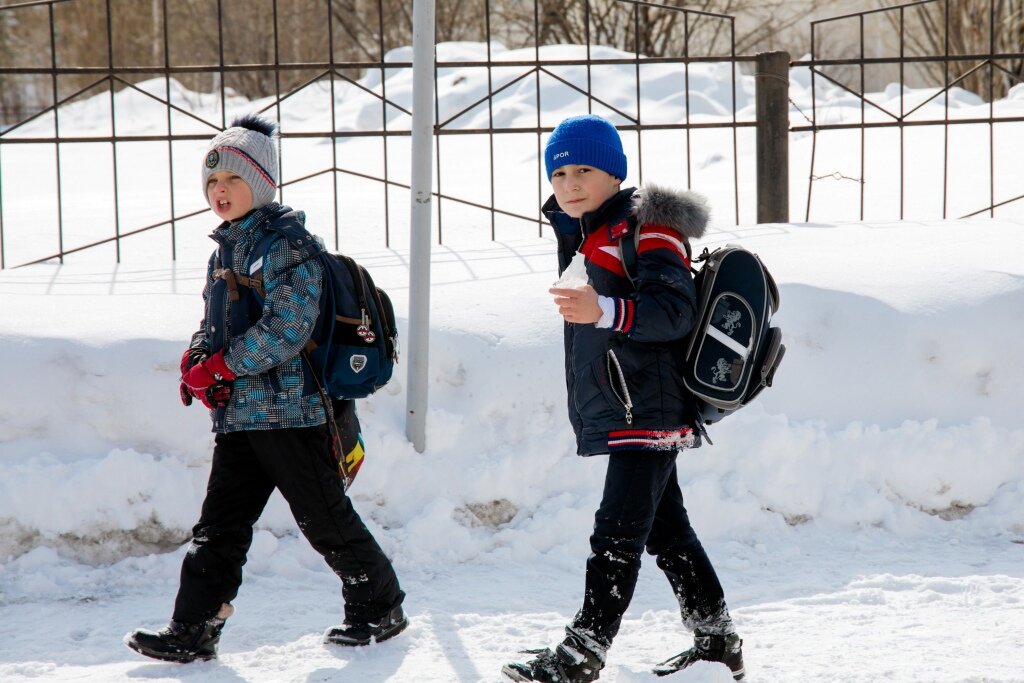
{"points": [[257, 123]]}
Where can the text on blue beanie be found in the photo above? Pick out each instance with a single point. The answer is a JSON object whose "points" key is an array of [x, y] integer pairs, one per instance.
{"points": [[586, 141]]}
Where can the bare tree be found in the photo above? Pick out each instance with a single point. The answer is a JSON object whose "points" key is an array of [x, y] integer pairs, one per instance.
{"points": [[967, 27], [257, 34], [12, 93], [371, 28], [703, 28]]}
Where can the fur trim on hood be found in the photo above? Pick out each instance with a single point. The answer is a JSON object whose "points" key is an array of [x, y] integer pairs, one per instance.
{"points": [[684, 211]]}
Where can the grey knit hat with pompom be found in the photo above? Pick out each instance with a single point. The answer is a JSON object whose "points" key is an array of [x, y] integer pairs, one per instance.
{"points": [[248, 148]]}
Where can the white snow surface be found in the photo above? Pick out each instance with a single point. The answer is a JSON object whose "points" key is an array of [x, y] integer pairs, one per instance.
{"points": [[865, 515]]}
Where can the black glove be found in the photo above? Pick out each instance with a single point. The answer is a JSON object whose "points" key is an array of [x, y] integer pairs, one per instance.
{"points": [[218, 395], [193, 355]]}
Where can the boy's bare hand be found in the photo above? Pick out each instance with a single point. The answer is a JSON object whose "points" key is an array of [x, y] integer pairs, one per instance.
{"points": [[577, 305]]}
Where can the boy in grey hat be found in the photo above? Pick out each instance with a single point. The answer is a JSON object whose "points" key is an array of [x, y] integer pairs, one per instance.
{"points": [[269, 420]]}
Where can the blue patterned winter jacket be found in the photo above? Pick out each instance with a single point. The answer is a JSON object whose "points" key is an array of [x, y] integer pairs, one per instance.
{"points": [[270, 391]]}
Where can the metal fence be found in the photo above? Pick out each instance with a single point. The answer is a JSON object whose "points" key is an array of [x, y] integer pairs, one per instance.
{"points": [[354, 161], [546, 68], [985, 68]]}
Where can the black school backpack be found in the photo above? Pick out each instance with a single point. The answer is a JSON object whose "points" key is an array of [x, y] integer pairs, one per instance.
{"points": [[732, 353]]}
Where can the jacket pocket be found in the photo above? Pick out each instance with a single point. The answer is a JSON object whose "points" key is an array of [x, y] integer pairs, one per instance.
{"points": [[633, 383], [618, 385]]}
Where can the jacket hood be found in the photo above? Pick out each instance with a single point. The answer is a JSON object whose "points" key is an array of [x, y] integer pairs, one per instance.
{"points": [[682, 210]]}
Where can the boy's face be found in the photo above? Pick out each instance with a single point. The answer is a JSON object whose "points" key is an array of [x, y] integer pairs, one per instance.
{"points": [[579, 189], [229, 195]]}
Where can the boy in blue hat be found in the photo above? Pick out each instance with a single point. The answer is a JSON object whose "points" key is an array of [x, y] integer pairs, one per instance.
{"points": [[245, 365], [627, 399]]}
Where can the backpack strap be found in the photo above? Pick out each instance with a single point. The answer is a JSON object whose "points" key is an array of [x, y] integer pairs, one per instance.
{"points": [[253, 283], [357, 278], [364, 324], [628, 247], [302, 242], [218, 296], [235, 280]]}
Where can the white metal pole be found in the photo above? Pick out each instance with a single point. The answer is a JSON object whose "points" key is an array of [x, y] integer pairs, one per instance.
{"points": [[420, 220]]}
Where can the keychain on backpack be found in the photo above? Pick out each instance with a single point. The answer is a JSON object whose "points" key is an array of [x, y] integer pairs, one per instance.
{"points": [[364, 330]]}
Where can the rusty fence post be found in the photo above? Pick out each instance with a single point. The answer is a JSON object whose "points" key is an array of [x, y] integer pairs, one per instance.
{"points": [[772, 93]]}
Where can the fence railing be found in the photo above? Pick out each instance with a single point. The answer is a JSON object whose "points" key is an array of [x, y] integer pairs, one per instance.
{"points": [[345, 121], [900, 114], [371, 175], [567, 76]]}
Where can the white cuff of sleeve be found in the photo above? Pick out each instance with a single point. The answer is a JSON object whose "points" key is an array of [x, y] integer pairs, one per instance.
{"points": [[607, 305]]}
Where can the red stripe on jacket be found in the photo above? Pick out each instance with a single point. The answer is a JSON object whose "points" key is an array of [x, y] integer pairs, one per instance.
{"points": [[655, 236]]}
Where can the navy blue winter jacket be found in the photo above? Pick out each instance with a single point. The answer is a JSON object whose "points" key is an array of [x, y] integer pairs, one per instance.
{"points": [[625, 391]]}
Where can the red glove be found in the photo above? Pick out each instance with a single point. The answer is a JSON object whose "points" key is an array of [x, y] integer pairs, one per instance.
{"points": [[204, 375]]}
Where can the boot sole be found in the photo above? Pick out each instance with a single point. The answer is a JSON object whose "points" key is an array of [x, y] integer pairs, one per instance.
{"points": [[393, 631], [513, 675], [736, 675], [182, 658], [379, 638]]}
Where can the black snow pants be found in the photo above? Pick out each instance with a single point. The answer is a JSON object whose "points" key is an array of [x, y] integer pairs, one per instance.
{"points": [[642, 506], [247, 467]]}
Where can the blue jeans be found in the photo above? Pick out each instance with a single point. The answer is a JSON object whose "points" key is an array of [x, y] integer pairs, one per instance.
{"points": [[642, 506]]}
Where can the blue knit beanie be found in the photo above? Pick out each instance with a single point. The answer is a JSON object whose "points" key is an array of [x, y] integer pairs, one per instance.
{"points": [[586, 141]]}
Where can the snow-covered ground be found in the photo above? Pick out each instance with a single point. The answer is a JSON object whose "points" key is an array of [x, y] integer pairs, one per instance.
{"points": [[866, 515]]}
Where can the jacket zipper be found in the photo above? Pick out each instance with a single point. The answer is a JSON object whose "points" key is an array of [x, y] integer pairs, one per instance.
{"points": [[627, 402], [572, 373]]}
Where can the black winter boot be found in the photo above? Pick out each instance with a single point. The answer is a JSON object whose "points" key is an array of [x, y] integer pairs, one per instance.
{"points": [[361, 633], [708, 648], [571, 662], [180, 641]]}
